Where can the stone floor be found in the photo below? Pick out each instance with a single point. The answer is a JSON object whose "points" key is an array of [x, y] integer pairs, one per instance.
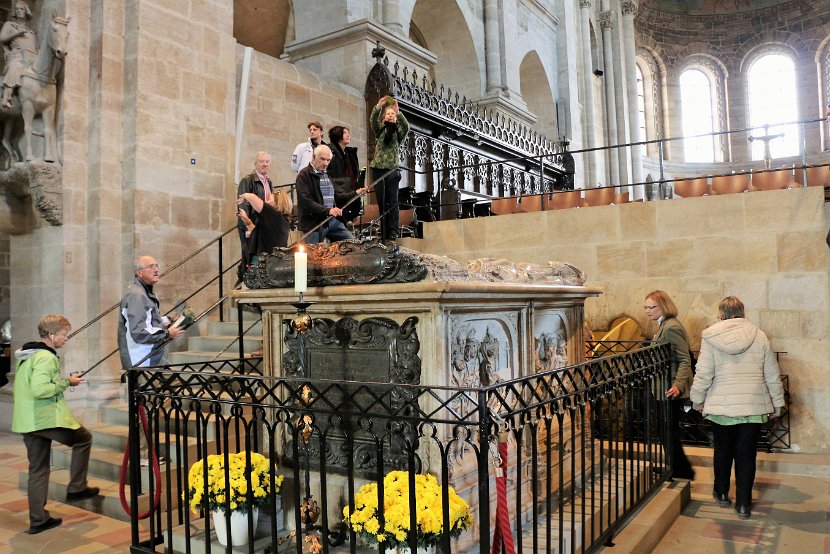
{"points": [[791, 513]]}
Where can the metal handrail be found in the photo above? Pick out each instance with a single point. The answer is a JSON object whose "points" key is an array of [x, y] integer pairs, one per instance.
{"points": [[218, 277]]}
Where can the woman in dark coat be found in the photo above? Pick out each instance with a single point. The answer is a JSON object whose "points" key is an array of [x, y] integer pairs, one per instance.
{"points": [[344, 171]]}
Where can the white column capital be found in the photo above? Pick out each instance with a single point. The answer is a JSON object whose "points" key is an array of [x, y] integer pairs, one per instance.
{"points": [[585, 4], [607, 20], [630, 7]]}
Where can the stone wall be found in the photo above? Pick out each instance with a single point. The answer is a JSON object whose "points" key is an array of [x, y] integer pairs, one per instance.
{"points": [[767, 248], [147, 135]]}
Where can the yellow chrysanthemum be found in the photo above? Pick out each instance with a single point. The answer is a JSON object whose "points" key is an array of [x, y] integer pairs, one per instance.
{"points": [[364, 519], [242, 477]]}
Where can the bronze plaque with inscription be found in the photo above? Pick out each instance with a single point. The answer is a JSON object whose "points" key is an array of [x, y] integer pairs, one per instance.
{"points": [[354, 353]]}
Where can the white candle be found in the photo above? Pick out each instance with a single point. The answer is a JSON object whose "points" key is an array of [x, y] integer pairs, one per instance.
{"points": [[300, 270]]}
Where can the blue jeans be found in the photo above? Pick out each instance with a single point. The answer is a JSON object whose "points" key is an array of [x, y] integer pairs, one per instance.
{"points": [[333, 230]]}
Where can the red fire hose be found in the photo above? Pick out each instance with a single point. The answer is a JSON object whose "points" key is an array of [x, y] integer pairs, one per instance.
{"points": [[503, 536], [154, 461]]}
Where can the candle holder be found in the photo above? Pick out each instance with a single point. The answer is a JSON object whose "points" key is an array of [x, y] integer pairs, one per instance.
{"points": [[302, 322], [311, 533]]}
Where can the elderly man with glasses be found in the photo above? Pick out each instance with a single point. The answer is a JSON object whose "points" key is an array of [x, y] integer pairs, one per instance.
{"points": [[142, 329]]}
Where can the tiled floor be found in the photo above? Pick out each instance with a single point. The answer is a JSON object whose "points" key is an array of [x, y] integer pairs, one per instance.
{"points": [[81, 531], [791, 513]]}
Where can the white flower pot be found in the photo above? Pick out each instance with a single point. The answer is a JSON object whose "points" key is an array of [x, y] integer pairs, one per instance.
{"points": [[239, 526], [421, 550]]}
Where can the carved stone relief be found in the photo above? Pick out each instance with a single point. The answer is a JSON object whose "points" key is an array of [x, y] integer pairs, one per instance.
{"points": [[483, 351], [550, 339]]}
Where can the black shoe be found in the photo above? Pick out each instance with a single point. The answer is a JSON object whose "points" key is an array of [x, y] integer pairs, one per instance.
{"points": [[742, 511], [50, 523], [722, 499], [88, 492]]}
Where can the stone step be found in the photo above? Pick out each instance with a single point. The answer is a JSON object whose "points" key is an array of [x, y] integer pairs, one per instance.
{"points": [[195, 357], [110, 442], [231, 328], [229, 343], [103, 464], [107, 503]]}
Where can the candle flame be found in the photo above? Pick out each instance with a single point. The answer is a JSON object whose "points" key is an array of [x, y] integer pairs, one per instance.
{"points": [[300, 248]]}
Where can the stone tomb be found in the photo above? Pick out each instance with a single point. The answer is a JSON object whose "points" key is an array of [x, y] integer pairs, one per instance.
{"points": [[437, 333]]}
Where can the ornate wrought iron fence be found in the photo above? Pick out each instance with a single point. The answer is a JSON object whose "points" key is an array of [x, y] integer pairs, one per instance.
{"points": [[695, 430], [572, 475]]}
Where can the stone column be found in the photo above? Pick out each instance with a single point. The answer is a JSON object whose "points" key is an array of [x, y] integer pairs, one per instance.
{"points": [[588, 90], [392, 16], [493, 47], [606, 24], [629, 11]]}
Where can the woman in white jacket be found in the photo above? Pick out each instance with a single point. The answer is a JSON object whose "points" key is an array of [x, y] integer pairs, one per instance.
{"points": [[738, 388]]}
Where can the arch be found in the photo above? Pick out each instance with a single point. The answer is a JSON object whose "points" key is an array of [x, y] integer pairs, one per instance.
{"points": [[772, 98], [536, 92], [269, 39], [771, 42], [717, 73], [654, 79], [447, 31], [698, 112]]}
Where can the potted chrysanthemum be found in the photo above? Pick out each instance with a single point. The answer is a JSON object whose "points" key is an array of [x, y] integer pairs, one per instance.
{"points": [[365, 521], [217, 496]]}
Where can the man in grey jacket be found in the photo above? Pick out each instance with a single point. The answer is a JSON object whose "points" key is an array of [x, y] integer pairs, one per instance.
{"points": [[141, 327]]}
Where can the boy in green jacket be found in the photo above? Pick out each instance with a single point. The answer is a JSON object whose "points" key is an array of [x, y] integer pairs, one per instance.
{"points": [[41, 415]]}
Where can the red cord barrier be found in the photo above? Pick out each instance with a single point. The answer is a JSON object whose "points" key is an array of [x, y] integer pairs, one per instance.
{"points": [[503, 537], [154, 460]]}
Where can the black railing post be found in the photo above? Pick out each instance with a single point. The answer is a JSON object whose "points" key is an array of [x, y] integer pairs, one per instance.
{"points": [[221, 283], [240, 332], [484, 424], [133, 442]]}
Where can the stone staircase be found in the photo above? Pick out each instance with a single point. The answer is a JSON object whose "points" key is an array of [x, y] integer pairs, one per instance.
{"points": [[111, 430]]}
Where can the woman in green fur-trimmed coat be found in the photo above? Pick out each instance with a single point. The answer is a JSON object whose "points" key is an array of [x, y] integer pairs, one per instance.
{"points": [[390, 128]]}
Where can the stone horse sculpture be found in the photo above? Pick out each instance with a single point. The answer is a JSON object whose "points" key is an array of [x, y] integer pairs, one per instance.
{"points": [[38, 94]]}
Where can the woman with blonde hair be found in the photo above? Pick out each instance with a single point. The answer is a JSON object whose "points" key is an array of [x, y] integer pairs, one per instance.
{"points": [[738, 388], [271, 229], [659, 307]]}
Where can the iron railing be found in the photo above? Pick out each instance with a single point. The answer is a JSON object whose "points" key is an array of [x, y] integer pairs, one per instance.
{"points": [[694, 430], [573, 476]]}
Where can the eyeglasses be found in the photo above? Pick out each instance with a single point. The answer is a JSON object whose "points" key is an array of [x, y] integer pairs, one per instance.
{"points": [[152, 266], [649, 307]]}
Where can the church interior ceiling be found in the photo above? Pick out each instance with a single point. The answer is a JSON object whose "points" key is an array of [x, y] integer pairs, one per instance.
{"points": [[708, 7]]}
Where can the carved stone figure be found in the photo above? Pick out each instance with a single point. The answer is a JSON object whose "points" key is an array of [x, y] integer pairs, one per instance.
{"points": [[30, 80], [19, 48]]}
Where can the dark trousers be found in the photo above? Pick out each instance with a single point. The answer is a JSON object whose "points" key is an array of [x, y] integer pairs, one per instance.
{"points": [[681, 467], [38, 449], [738, 443], [387, 194]]}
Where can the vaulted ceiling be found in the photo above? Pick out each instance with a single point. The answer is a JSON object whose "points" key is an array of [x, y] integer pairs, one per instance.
{"points": [[708, 7]]}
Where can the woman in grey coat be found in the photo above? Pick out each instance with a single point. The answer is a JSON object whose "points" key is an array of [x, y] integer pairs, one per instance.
{"points": [[738, 388]]}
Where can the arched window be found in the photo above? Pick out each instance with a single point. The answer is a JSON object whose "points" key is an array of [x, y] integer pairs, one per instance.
{"points": [[697, 111], [641, 105], [772, 100]]}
